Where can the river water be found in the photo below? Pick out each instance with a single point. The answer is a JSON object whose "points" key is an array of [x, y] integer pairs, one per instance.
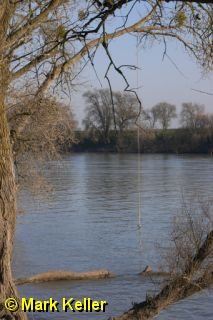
{"points": [[90, 221]]}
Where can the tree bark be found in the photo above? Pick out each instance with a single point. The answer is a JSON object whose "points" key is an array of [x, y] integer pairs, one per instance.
{"points": [[176, 290], [7, 206]]}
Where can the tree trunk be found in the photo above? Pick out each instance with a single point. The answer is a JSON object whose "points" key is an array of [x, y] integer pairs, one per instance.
{"points": [[7, 207], [179, 288], [175, 291]]}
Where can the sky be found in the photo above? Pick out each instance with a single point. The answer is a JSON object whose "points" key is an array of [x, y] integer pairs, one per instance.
{"points": [[170, 79]]}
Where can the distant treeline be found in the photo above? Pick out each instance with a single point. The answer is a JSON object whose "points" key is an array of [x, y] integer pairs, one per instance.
{"points": [[179, 140], [111, 124]]}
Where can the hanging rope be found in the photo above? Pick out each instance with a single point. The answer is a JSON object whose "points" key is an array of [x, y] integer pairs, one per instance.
{"points": [[139, 162], [138, 140]]}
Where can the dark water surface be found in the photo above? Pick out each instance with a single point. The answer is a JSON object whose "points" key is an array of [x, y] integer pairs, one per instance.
{"points": [[90, 222]]}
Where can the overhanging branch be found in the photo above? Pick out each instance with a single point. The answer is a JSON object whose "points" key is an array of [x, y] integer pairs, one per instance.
{"points": [[33, 24], [90, 45]]}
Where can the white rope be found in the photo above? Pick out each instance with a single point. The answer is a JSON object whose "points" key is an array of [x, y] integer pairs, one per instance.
{"points": [[138, 142], [139, 164]]}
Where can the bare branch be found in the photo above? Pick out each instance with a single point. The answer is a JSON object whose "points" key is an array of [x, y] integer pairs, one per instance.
{"points": [[90, 45], [27, 28], [204, 92]]}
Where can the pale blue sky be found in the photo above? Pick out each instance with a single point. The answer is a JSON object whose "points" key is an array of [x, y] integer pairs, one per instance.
{"points": [[159, 80]]}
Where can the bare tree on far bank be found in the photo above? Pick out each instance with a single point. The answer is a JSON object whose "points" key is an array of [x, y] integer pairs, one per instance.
{"points": [[163, 112], [101, 118], [151, 116], [127, 111], [193, 116]]}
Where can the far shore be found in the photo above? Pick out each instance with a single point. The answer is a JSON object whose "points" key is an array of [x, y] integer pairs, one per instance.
{"points": [[170, 141]]}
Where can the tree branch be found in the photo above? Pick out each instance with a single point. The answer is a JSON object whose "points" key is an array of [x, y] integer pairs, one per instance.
{"points": [[90, 45], [40, 58], [179, 288], [27, 28], [191, 1]]}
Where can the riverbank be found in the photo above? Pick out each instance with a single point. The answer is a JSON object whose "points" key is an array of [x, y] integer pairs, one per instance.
{"points": [[175, 141]]}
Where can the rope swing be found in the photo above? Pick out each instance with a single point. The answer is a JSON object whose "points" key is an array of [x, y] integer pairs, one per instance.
{"points": [[139, 224]]}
